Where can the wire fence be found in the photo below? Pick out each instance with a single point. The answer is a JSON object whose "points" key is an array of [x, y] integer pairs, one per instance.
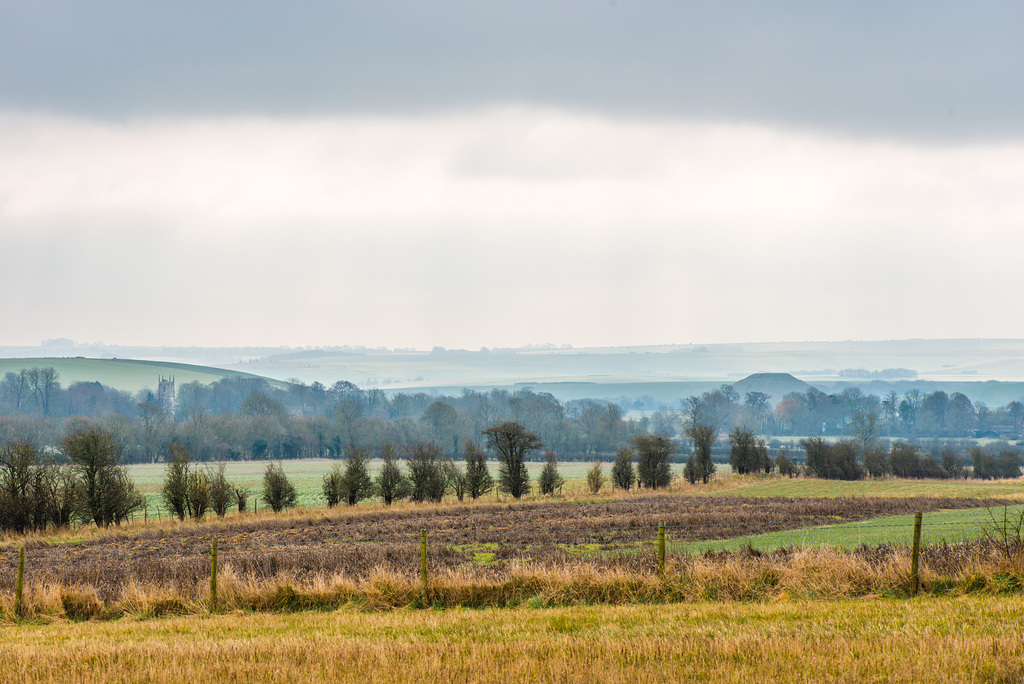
{"points": [[184, 561], [828, 530]]}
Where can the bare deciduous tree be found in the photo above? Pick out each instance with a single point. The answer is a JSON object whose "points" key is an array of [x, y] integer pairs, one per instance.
{"points": [[513, 442]]}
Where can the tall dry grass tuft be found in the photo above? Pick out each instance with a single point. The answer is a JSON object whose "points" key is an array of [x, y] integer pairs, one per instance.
{"points": [[82, 603], [154, 600]]}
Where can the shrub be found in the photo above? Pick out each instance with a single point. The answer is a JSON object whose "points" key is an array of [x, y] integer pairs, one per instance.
{"points": [[426, 477], [241, 498], [108, 495], [832, 461], [34, 490], [989, 467], [455, 478], [701, 466], [222, 492], [623, 474], [478, 477], [334, 486], [748, 454], [952, 464], [767, 464], [654, 452], [690, 470], [278, 491], [391, 482], [595, 478], [785, 465], [198, 493], [175, 487], [876, 463], [189, 491], [358, 483], [549, 480], [743, 455]]}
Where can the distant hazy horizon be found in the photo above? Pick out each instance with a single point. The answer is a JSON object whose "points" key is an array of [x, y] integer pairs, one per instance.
{"points": [[69, 345]]}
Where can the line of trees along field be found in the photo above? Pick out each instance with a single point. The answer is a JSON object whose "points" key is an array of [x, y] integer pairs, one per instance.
{"points": [[83, 477], [247, 418], [85, 481]]}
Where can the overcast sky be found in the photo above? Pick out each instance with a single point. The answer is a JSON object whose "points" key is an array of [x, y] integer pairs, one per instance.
{"points": [[467, 174]]}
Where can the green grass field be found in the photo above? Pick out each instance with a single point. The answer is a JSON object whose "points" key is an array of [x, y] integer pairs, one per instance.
{"points": [[778, 486], [944, 526], [123, 374], [307, 476]]}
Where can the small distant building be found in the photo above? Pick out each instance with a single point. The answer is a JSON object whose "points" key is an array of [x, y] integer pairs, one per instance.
{"points": [[165, 394]]}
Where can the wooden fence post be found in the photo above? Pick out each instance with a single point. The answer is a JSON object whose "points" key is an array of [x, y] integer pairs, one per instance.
{"points": [[213, 576], [915, 579], [423, 559], [661, 549], [19, 606]]}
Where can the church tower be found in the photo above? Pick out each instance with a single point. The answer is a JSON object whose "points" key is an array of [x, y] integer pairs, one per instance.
{"points": [[165, 394]]}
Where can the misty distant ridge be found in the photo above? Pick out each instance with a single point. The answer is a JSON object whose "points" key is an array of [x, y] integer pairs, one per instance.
{"points": [[988, 370], [957, 351]]}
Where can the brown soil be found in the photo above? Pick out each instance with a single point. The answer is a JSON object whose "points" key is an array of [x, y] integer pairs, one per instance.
{"points": [[356, 542]]}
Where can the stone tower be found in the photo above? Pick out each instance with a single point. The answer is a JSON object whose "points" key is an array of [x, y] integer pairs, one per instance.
{"points": [[165, 394]]}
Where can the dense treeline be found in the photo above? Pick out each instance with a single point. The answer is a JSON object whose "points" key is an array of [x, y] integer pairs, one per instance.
{"points": [[248, 418], [598, 424], [912, 414], [84, 481], [245, 418]]}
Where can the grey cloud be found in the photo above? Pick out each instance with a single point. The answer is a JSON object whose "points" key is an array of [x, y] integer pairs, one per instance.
{"points": [[942, 69]]}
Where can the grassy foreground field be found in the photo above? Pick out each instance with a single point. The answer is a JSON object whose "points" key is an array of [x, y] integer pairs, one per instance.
{"points": [[965, 639], [550, 589]]}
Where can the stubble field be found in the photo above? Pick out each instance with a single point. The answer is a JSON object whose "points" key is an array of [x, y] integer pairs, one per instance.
{"points": [[546, 589]]}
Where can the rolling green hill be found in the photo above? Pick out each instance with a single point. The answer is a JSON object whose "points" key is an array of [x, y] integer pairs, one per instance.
{"points": [[124, 374], [991, 371]]}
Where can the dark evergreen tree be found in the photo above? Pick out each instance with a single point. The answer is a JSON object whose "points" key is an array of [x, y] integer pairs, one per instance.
{"points": [[478, 478], [278, 491], [623, 473], [392, 484], [653, 453], [358, 483], [550, 481], [426, 476]]}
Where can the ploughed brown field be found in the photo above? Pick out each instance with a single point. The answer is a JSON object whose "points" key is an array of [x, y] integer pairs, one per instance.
{"points": [[485, 540]]}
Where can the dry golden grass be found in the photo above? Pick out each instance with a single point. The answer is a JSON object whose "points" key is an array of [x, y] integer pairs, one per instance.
{"points": [[968, 639], [806, 573]]}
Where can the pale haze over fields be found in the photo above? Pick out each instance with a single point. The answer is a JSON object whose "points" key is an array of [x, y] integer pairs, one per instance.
{"points": [[465, 174]]}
